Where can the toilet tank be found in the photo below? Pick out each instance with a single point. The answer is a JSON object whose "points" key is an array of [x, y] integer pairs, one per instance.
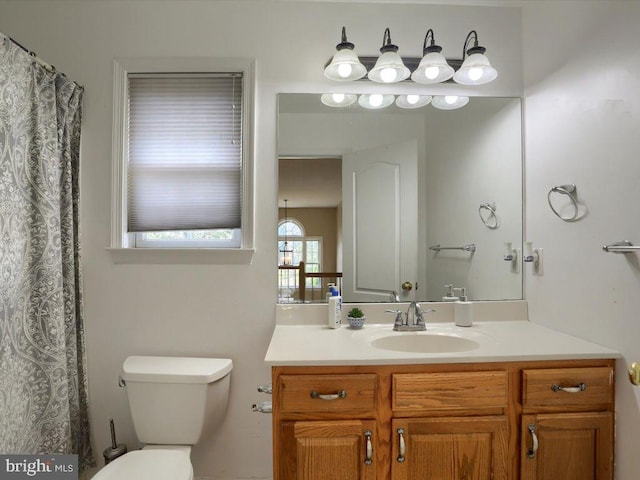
{"points": [[176, 400]]}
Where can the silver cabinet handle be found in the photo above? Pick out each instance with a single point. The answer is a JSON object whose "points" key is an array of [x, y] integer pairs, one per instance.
{"points": [[531, 453], [331, 396], [577, 389], [368, 459], [402, 449]]}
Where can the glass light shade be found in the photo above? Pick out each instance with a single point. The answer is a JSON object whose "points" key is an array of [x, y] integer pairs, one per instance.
{"points": [[338, 99], [389, 68], [345, 66], [476, 70], [433, 68], [413, 101], [375, 100], [449, 102]]}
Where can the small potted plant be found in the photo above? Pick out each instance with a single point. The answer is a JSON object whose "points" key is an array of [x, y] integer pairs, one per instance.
{"points": [[356, 318]]}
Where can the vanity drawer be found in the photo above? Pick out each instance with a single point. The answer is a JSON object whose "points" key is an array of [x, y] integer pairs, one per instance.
{"points": [[567, 387], [352, 393], [449, 391]]}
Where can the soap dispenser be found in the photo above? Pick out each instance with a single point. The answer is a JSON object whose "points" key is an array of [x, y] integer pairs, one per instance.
{"points": [[449, 296], [463, 310]]}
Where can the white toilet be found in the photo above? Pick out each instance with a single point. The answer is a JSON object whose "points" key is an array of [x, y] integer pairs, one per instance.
{"points": [[174, 402]]}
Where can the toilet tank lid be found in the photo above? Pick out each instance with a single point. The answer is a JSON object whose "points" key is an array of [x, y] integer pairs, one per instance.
{"points": [[175, 369]]}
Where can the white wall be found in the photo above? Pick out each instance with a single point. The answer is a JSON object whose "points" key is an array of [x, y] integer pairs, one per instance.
{"points": [[474, 156], [582, 121], [206, 309]]}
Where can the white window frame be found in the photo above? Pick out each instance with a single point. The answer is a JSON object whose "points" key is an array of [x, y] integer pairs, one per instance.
{"points": [[122, 246], [233, 242]]}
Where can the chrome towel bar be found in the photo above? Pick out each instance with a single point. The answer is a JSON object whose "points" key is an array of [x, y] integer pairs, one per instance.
{"points": [[621, 247], [470, 247]]}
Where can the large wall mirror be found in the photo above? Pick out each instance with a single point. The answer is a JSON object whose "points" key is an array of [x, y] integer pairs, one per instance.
{"points": [[394, 204]]}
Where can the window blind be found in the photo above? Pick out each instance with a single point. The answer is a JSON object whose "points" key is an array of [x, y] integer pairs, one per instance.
{"points": [[184, 152]]}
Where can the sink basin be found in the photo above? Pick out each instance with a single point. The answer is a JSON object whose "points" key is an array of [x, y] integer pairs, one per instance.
{"points": [[425, 343]]}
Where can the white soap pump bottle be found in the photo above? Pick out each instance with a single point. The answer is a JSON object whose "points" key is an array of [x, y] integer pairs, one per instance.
{"points": [[463, 310]]}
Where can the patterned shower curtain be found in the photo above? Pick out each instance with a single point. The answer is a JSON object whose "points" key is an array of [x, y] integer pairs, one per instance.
{"points": [[43, 377]]}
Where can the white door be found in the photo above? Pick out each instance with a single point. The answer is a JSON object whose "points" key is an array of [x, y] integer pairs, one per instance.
{"points": [[380, 222]]}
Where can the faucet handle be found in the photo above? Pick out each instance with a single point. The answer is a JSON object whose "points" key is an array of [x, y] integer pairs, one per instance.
{"points": [[421, 313], [398, 321]]}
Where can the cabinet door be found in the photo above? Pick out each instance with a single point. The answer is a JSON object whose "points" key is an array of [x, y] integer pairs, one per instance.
{"points": [[461, 448], [570, 446], [327, 450]]}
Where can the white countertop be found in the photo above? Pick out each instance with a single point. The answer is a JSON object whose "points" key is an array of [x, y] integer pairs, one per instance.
{"points": [[501, 341]]}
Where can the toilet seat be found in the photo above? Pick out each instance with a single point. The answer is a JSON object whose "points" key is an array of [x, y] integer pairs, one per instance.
{"points": [[153, 464]]}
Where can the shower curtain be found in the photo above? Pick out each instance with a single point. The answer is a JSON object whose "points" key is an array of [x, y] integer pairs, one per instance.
{"points": [[43, 378]]}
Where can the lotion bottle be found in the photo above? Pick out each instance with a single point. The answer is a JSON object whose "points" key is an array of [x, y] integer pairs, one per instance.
{"points": [[463, 310], [449, 296], [335, 309]]}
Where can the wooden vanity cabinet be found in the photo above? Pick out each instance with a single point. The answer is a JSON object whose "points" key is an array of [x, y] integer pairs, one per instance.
{"points": [[453, 421], [567, 424], [325, 425], [450, 425], [327, 449]]}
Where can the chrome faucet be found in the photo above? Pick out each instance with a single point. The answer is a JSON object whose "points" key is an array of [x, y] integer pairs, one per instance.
{"points": [[413, 319]]}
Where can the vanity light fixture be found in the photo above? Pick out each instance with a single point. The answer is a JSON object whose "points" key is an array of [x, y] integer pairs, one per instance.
{"points": [[345, 64], [449, 102], [389, 67], [376, 101], [475, 68], [413, 101], [338, 99], [433, 67]]}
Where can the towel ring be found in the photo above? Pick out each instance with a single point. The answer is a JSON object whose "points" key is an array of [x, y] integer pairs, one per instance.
{"points": [[570, 191], [490, 220]]}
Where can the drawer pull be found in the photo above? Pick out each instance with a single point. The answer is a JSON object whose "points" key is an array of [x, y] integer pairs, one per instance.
{"points": [[402, 449], [368, 459], [577, 389], [531, 453], [331, 396]]}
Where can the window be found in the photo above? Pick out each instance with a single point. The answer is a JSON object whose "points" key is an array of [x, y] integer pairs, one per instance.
{"points": [[184, 159], [303, 249], [183, 169]]}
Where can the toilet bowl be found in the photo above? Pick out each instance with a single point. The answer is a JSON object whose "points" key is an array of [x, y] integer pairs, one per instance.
{"points": [[174, 402], [148, 465]]}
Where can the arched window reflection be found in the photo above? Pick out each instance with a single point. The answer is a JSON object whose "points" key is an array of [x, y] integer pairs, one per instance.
{"points": [[295, 247]]}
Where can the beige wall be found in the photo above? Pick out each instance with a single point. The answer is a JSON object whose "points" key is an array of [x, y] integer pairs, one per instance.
{"points": [[216, 310]]}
